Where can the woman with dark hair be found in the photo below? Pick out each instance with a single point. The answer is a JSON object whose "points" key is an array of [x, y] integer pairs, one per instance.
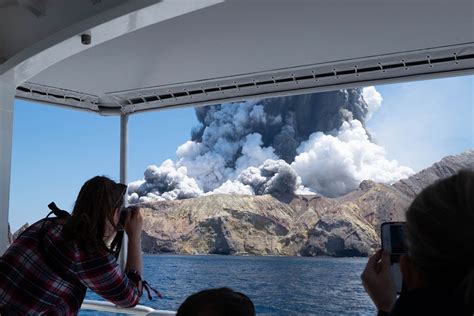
{"points": [[48, 268], [438, 271]]}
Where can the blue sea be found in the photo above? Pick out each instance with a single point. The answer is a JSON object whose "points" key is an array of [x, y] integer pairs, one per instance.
{"points": [[276, 285]]}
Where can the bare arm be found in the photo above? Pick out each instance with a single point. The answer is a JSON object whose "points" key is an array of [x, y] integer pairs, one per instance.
{"points": [[133, 228]]}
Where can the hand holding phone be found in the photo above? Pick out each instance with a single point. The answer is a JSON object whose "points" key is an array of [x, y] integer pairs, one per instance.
{"points": [[378, 283], [393, 242]]}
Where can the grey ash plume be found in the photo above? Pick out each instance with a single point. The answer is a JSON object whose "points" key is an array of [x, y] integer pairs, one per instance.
{"points": [[295, 144]]}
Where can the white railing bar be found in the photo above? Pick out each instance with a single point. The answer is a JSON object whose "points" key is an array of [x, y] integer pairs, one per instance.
{"points": [[112, 308]]}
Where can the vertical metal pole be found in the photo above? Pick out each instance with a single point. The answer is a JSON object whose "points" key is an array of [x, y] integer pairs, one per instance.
{"points": [[7, 99], [123, 147], [122, 259]]}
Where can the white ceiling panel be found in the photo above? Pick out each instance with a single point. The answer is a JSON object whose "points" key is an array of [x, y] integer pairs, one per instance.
{"points": [[239, 43]]}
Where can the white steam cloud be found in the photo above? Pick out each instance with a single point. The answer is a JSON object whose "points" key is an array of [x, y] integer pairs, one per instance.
{"points": [[373, 99], [304, 144], [334, 165], [166, 182]]}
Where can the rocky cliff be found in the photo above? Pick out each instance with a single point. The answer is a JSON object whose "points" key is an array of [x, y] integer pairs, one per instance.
{"points": [[287, 224], [447, 166]]}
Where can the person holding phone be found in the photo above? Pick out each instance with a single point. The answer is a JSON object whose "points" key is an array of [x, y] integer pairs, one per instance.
{"points": [[438, 269], [50, 265]]}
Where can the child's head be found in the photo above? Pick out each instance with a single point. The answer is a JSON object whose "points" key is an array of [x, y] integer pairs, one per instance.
{"points": [[217, 302]]}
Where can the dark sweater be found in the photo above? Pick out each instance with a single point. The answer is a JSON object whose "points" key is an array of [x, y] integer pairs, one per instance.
{"points": [[429, 302]]}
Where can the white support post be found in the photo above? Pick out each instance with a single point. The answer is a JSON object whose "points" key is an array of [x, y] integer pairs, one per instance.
{"points": [[123, 147], [122, 259], [7, 99]]}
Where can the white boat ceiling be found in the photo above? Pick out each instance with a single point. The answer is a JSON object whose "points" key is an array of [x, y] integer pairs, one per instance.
{"points": [[164, 54]]}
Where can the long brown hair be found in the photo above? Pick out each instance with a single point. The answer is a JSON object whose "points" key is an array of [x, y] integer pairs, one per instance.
{"points": [[95, 204], [440, 234]]}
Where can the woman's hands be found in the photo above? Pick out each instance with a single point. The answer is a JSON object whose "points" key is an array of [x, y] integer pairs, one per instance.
{"points": [[378, 282], [134, 223]]}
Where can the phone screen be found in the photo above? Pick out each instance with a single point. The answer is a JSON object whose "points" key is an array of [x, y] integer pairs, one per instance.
{"points": [[393, 241], [397, 241]]}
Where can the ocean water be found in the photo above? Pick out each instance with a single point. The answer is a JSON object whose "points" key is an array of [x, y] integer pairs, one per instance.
{"points": [[276, 285]]}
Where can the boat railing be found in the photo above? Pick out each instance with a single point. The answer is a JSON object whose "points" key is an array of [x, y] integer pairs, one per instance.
{"points": [[102, 306]]}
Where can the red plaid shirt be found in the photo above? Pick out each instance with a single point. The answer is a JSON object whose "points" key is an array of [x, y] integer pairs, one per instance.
{"points": [[29, 285]]}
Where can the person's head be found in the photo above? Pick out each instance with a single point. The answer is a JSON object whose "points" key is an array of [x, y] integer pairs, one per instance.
{"points": [[217, 302], [95, 214], [440, 236]]}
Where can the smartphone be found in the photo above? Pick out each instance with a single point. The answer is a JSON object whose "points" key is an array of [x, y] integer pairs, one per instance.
{"points": [[393, 242]]}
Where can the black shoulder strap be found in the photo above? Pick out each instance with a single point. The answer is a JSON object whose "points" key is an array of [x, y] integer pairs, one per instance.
{"points": [[116, 244], [57, 211]]}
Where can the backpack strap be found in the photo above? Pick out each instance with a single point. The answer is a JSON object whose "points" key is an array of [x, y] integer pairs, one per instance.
{"points": [[57, 211], [116, 244]]}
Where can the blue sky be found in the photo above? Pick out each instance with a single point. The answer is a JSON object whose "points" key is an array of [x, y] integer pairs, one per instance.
{"points": [[56, 150], [421, 122]]}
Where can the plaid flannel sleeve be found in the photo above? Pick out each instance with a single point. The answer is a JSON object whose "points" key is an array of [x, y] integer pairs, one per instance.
{"points": [[103, 275]]}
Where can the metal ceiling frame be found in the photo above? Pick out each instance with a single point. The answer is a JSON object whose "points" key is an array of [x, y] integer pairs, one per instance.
{"points": [[450, 61]]}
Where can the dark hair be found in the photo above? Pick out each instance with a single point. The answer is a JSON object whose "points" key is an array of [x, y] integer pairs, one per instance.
{"points": [[440, 234], [95, 204], [217, 302]]}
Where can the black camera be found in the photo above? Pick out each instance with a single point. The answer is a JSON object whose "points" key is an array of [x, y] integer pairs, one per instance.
{"points": [[123, 215]]}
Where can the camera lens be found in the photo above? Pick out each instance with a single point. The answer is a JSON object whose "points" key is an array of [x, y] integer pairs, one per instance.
{"points": [[123, 218]]}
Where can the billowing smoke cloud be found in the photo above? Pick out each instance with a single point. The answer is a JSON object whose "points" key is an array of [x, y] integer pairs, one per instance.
{"points": [[373, 100], [218, 159], [273, 176], [309, 143], [166, 182], [335, 164], [282, 122]]}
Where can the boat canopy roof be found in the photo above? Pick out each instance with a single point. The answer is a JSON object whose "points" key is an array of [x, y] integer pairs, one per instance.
{"points": [[146, 55]]}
